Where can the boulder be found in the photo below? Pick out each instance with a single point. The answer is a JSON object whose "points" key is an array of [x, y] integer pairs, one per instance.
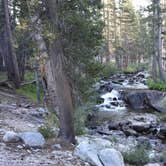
{"points": [[32, 139], [113, 126], [144, 140], [157, 100], [124, 123], [87, 153], [89, 149], [160, 105], [130, 132], [134, 99], [11, 137], [145, 99], [111, 157], [141, 126]]}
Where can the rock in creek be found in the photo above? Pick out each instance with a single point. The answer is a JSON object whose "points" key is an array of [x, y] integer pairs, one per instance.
{"points": [[113, 126], [130, 132], [141, 126], [144, 99]]}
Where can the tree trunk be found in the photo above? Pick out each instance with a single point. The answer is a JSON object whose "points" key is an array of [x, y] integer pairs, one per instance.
{"points": [[120, 35], [63, 89], [154, 52], [21, 58], [59, 97], [159, 45], [8, 50], [2, 65]]}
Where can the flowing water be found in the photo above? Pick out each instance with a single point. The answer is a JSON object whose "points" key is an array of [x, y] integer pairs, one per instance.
{"points": [[114, 86]]}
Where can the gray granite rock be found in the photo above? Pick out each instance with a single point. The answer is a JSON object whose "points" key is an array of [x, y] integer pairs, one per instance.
{"points": [[11, 137], [111, 157], [32, 139]]}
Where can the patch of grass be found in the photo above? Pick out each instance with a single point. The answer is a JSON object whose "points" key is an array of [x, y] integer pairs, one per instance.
{"points": [[137, 156], [3, 76], [156, 85], [29, 76], [30, 92], [163, 118]]}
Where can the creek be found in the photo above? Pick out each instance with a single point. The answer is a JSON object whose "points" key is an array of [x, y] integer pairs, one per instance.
{"points": [[127, 113], [111, 105]]}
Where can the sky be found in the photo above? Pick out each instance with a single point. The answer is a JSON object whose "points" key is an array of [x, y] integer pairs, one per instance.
{"points": [[138, 3]]}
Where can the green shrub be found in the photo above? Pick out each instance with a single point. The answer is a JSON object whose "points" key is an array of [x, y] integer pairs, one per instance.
{"points": [[80, 118], [156, 85], [130, 69], [109, 69], [137, 156], [134, 68], [47, 132], [51, 123]]}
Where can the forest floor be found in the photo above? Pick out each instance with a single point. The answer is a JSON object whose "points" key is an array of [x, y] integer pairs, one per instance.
{"points": [[16, 114]]}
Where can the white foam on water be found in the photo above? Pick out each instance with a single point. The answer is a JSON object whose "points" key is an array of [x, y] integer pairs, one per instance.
{"points": [[109, 97]]}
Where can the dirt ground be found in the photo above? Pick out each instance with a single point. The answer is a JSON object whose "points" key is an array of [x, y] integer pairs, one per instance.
{"points": [[14, 116]]}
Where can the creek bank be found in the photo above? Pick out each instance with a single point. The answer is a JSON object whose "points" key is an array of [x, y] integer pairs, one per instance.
{"points": [[19, 116]]}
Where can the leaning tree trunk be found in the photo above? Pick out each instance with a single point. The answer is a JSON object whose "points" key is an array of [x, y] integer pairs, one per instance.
{"points": [[59, 97], [63, 89], [8, 50]]}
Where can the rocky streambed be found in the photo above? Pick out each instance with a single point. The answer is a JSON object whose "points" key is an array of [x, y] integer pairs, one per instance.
{"points": [[126, 124]]}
